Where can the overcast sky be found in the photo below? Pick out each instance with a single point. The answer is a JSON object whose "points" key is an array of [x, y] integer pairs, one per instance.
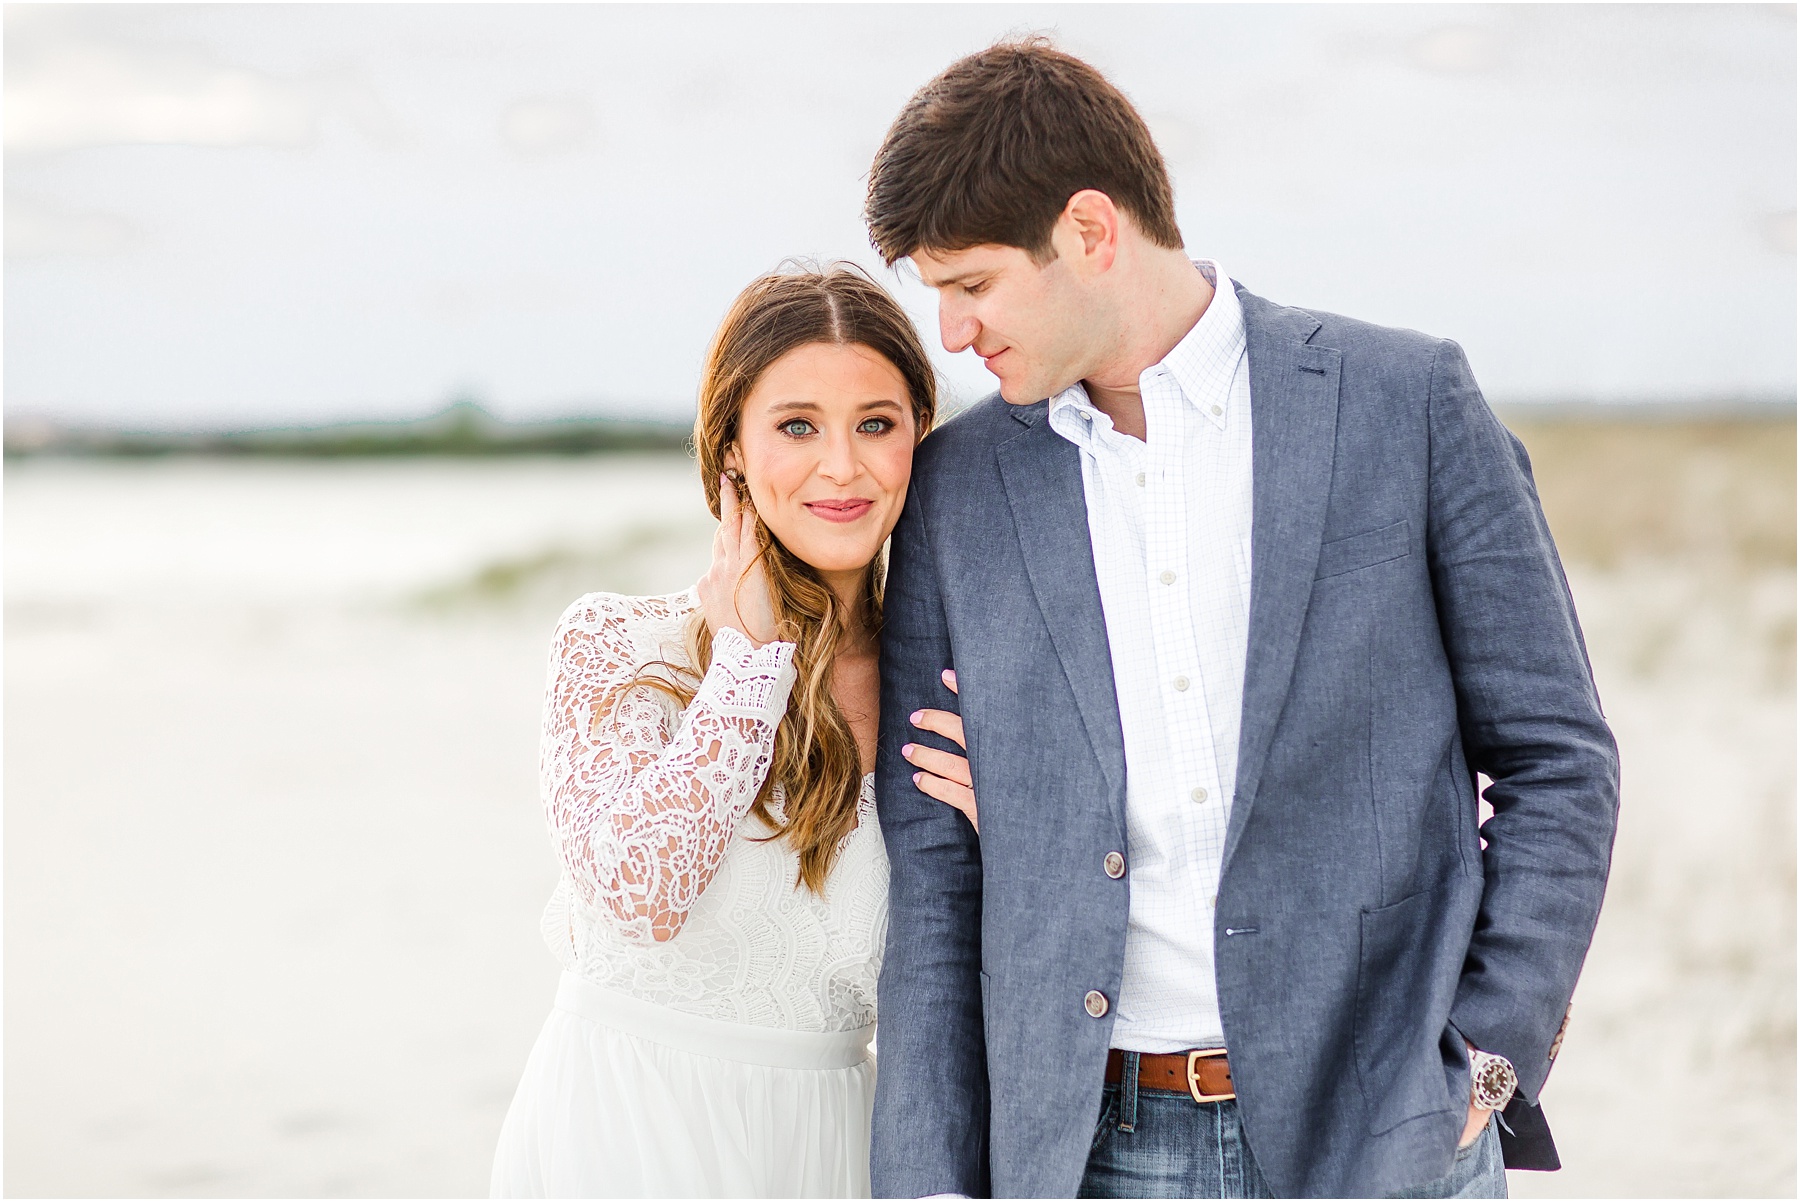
{"points": [[241, 215]]}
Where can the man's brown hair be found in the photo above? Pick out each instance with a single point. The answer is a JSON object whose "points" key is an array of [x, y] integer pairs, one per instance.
{"points": [[991, 150]]}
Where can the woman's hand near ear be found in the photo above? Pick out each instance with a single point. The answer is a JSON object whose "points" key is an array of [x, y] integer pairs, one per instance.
{"points": [[735, 592]]}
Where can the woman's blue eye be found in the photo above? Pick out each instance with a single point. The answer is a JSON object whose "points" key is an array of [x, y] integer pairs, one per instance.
{"points": [[798, 428], [876, 425]]}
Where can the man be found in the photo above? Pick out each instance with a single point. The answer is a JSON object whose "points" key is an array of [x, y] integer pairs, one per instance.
{"points": [[1240, 598]]}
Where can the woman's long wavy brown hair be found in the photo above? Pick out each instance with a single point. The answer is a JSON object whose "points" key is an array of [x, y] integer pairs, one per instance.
{"points": [[816, 760]]}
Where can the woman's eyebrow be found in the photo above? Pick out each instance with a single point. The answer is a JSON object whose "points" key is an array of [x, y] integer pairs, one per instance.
{"points": [[813, 406]]}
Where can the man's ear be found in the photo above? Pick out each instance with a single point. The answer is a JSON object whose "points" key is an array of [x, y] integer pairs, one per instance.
{"points": [[1090, 224]]}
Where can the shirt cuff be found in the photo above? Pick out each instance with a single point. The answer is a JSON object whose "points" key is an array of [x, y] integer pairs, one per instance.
{"points": [[745, 680]]}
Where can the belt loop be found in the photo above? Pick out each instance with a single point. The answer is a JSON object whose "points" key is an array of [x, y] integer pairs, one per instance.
{"points": [[1128, 1089]]}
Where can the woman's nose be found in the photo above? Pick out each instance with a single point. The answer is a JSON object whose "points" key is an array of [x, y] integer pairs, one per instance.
{"points": [[838, 464]]}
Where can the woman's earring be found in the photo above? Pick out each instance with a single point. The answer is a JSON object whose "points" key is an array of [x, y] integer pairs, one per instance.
{"points": [[737, 481]]}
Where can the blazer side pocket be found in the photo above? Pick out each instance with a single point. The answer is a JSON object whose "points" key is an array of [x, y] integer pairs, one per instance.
{"points": [[1403, 996], [1365, 550]]}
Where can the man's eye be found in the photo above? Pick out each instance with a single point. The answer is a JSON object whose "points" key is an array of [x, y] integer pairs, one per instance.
{"points": [[798, 428], [876, 425]]}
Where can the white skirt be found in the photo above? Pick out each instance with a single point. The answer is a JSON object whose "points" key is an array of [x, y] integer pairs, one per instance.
{"points": [[625, 1098]]}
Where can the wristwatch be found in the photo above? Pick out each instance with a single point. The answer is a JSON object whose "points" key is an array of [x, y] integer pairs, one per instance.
{"points": [[1491, 1080]]}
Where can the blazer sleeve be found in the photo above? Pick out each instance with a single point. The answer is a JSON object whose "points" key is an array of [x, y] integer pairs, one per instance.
{"points": [[931, 1095], [1530, 719]]}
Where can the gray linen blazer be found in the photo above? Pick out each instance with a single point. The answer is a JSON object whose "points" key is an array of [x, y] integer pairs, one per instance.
{"points": [[1409, 627]]}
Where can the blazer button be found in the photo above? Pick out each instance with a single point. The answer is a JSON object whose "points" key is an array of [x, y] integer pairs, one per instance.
{"points": [[1114, 864], [1095, 1003]]}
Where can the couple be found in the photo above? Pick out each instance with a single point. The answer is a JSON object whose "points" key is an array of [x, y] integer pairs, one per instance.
{"points": [[1137, 797]]}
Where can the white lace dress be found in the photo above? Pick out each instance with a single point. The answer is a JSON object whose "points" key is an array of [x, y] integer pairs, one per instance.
{"points": [[711, 1031]]}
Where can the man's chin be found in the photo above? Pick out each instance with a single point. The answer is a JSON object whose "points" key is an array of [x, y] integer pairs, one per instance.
{"points": [[1019, 392]]}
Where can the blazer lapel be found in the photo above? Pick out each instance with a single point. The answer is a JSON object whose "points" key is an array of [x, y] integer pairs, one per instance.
{"points": [[1042, 475], [1293, 431]]}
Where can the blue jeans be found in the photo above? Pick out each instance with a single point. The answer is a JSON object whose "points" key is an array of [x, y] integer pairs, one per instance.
{"points": [[1150, 1143], [1479, 1172]]}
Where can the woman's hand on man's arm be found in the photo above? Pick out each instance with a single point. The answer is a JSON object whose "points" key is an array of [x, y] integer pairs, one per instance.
{"points": [[943, 774]]}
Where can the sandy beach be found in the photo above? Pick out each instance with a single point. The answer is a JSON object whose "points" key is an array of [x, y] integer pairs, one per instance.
{"points": [[274, 857]]}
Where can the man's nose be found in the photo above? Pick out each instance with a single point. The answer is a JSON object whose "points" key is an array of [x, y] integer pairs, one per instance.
{"points": [[957, 329]]}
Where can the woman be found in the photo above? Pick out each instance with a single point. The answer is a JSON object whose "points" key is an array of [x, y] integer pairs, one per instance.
{"points": [[706, 769]]}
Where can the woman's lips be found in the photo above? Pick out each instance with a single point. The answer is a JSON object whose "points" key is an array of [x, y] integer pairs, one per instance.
{"points": [[839, 511]]}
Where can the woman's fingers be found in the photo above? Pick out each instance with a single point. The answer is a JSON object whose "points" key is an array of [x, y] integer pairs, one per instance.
{"points": [[951, 767], [719, 572], [746, 532], [738, 521], [754, 601], [943, 775], [948, 675], [719, 586], [728, 508], [959, 797], [942, 722], [727, 540]]}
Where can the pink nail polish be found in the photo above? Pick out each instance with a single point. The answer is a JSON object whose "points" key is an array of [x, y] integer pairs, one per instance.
{"points": [[907, 751]]}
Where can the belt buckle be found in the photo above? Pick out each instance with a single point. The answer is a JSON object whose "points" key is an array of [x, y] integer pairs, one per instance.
{"points": [[1193, 1076]]}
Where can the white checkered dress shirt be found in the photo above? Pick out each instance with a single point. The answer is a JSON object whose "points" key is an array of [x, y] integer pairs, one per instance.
{"points": [[1169, 519]]}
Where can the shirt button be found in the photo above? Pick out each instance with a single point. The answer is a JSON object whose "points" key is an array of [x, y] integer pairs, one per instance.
{"points": [[1167, 578], [1095, 1001], [1217, 410], [1199, 794], [1114, 864], [1181, 684], [1140, 479]]}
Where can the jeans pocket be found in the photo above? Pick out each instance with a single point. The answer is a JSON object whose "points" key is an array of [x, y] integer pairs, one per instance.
{"points": [[1108, 1121], [1478, 1171], [1488, 1132]]}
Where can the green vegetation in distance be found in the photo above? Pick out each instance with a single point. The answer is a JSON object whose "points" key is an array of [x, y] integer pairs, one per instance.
{"points": [[463, 428]]}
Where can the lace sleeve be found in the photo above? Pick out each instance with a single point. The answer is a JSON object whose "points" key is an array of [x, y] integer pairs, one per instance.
{"points": [[642, 803]]}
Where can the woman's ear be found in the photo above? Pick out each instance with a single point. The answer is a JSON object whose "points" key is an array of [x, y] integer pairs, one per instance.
{"points": [[733, 461]]}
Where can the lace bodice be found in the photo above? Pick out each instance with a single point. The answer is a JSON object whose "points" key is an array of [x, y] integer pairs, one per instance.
{"points": [[669, 890]]}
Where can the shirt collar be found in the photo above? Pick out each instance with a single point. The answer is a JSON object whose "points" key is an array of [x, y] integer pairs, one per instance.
{"points": [[1203, 364], [1206, 359], [1074, 416]]}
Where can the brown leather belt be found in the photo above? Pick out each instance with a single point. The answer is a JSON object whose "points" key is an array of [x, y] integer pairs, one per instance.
{"points": [[1203, 1074]]}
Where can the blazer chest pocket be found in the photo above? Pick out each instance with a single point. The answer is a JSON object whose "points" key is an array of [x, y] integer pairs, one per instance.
{"points": [[1365, 550]]}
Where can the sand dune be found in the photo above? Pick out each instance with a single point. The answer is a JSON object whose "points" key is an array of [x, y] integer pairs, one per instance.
{"points": [[274, 860]]}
